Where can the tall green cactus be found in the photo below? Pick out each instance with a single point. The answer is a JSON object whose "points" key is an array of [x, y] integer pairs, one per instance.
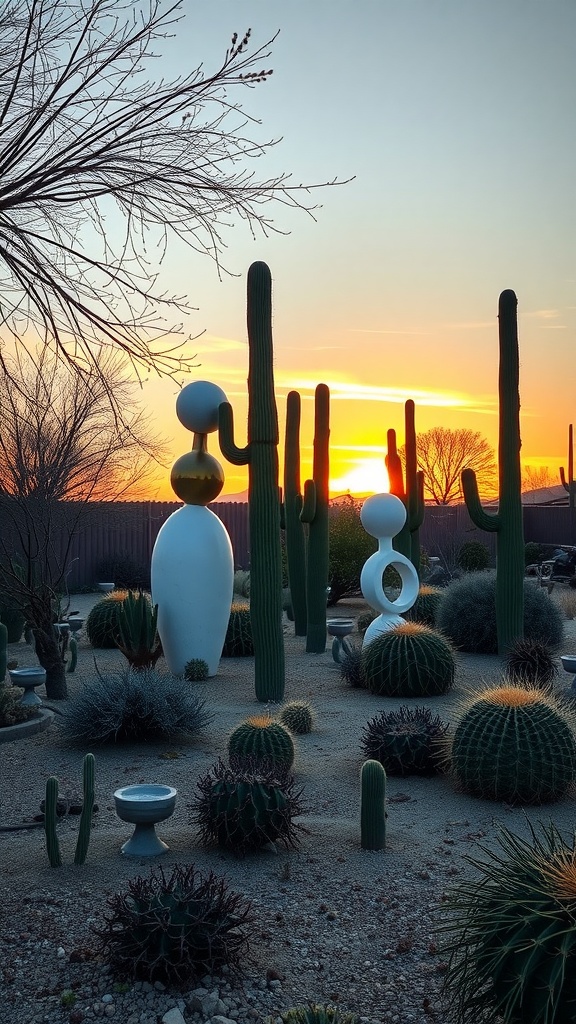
{"points": [[315, 513], [407, 542], [87, 809], [52, 844], [295, 536], [3, 652], [507, 522], [261, 457], [372, 806], [570, 483]]}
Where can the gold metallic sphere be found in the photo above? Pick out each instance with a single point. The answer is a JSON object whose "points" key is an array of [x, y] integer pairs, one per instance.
{"points": [[197, 478]]}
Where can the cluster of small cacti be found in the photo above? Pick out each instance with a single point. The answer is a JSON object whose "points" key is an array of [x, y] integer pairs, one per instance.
{"points": [[514, 744], [196, 670], [239, 642], [170, 929], [261, 739], [410, 660], [425, 606], [102, 624], [298, 716], [405, 742], [50, 816], [138, 638], [529, 661], [245, 807], [513, 932]]}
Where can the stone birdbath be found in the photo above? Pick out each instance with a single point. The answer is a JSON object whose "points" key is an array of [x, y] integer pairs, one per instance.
{"points": [[144, 806], [340, 629], [28, 679]]}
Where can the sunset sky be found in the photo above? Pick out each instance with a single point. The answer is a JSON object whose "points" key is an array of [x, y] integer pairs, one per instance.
{"points": [[456, 119]]}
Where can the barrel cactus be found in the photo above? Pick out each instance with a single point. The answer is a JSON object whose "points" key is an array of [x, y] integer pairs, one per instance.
{"points": [[512, 945], [405, 742], [262, 739], [297, 716], [514, 744], [245, 808], [410, 660], [102, 624], [425, 606], [238, 642]]}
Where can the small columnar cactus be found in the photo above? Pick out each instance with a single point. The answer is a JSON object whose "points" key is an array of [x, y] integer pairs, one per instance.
{"points": [[298, 716], [52, 844], [238, 642], [410, 660], [405, 742], [73, 648], [87, 809], [260, 738], [372, 806], [514, 744], [245, 808]]}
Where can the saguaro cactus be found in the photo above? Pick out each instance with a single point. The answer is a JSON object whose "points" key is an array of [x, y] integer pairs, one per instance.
{"points": [[315, 513], [507, 522], [295, 537], [87, 809], [570, 485], [372, 808], [52, 844], [407, 542], [261, 457]]}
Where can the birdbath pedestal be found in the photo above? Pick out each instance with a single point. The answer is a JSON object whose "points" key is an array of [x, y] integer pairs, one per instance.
{"points": [[339, 629], [28, 678], [144, 806], [569, 664]]}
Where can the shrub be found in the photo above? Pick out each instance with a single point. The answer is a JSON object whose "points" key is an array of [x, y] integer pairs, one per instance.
{"points": [[425, 606], [259, 738], [242, 583], [245, 808], [177, 927], [132, 706], [352, 668], [102, 624], [410, 660], [12, 617], [11, 710], [349, 547], [567, 602], [513, 932], [297, 716], [473, 556], [364, 620], [316, 1013], [530, 662], [532, 553], [238, 642], [196, 670], [467, 614], [123, 570], [405, 742], [514, 744]]}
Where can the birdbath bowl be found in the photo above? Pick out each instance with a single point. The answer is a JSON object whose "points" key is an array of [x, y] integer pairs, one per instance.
{"points": [[28, 678], [569, 664], [339, 629], [105, 587], [144, 806], [75, 623]]}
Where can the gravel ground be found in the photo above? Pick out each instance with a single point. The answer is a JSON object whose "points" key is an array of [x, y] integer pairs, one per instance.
{"points": [[334, 923]]}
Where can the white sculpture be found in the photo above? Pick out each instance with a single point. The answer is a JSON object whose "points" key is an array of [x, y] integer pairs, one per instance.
{"points": [[192, 570], [383, 516]]}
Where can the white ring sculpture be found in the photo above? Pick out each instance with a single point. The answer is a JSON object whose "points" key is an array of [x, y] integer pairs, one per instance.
{"points": [[383, 516]]}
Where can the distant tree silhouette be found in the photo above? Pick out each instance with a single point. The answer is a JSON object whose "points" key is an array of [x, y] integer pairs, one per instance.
{"points": [[442, 455], [536, 477]]}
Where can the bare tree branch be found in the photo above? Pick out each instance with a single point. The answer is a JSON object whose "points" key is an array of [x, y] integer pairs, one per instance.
{"points": [[442, 454]]}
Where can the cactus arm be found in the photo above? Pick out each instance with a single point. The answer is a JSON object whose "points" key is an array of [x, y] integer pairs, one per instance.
{"points": [[237, 456], [570, 454], [73, 648], [52, 844], [372, 806], [483, 520], [569, 484], [309, 502], [394, 467], [295, 535], [87, 809], [563, 479]]}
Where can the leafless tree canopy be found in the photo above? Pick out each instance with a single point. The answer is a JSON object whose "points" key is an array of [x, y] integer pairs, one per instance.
{"points": [[536, 477], [443, 454], [101, 162]]}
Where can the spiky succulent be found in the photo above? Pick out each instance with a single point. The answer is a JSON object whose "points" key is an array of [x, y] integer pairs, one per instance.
{"points": [[317, 1013], [512, 946], [196, 670], [238, 642], [171, 928], [406, 741], [425, 606], [298, 716], [352, 668], [137, 633], [245, 808], [260, 738], [529, 661], [514, 744], [410, 660]]}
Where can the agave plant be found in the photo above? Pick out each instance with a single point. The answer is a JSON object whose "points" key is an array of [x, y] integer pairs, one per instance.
{"points": [[513, 933], [137, 631]]}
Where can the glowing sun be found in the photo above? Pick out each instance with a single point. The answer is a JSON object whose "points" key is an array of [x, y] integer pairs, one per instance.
{"points": [[368, 476]]}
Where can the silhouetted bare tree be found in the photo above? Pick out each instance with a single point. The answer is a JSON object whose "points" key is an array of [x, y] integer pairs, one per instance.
{"points": [[442, 455], [536, 477], [99, 163], [61, 448]]}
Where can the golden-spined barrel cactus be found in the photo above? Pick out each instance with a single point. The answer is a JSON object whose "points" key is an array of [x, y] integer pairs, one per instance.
{"points": [[410, 660]]}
